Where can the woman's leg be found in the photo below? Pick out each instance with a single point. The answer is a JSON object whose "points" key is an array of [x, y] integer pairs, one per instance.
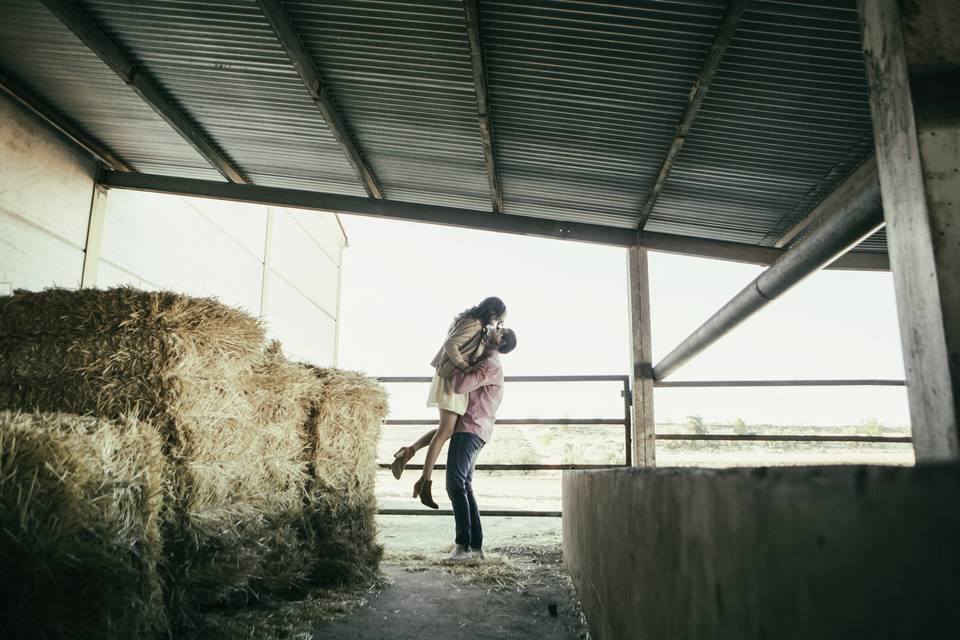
{"points": [[405, 454], [448, 420], [422, 487]]}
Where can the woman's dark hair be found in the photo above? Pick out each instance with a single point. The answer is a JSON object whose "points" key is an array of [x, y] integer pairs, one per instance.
{"points": [[488, 308]]}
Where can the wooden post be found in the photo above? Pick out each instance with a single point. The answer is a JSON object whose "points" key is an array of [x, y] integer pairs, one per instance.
{"points": [[644, 443], [912, 53]]}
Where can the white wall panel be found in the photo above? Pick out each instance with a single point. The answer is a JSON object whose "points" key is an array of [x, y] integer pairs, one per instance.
{"points": [[33, 259], [245, 223], [308, 333], [304, 263], [324, 228], [211, 248], [166, 241], [46, 186]]}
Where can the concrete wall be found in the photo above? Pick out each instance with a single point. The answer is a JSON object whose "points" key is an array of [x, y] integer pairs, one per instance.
{"points": [[828, 552], [46, 186], [279, 264]]}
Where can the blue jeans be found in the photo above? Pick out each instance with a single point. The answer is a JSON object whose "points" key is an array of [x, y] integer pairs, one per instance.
{"points": [[461, 459]]}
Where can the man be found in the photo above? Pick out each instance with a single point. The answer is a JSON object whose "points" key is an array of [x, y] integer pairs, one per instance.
{"points": [[484, 384]]}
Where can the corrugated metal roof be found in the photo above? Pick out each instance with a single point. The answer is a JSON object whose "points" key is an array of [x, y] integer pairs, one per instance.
{"points": [[585, 98], [786, 119], [402, 74], [42, 54], [222, 64]]}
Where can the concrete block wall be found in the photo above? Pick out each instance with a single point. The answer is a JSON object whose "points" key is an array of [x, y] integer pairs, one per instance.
{"points": [[46, 187], [816, 552]]}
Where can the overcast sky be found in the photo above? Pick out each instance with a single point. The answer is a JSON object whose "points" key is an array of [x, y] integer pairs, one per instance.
{"points": [[403, 283]]}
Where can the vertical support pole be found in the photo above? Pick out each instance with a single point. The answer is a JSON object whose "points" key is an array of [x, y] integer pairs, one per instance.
{"points": [[267, 251], [336, 329], [644, 436], [912, 54], [94, 242]]}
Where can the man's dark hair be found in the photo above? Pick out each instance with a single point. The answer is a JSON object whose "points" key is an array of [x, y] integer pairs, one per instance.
{"points": [[509, 341]]}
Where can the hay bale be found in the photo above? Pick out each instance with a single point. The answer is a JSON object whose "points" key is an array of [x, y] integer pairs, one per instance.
{"points": [[342, 433], [270, 465], [200, 373], [80, 541]]}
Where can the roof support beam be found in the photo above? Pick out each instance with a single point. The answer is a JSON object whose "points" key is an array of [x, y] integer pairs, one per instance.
{"points": [[471, 12], [138, 80], [853, 217], [303, 63], [456, 217], [58, 122], [694, 101]]}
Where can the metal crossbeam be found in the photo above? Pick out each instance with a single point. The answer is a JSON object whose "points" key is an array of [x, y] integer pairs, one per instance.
{"points": [[694, 101], [467, 218], [139, 81], [472, 15], [305, 67], [22, 95]]}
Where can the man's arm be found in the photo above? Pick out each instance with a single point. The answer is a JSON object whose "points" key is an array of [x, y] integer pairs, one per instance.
{"points": [[485, 374]]}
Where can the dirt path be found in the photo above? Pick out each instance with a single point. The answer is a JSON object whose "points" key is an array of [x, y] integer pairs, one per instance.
{"points": [[430, 603]]}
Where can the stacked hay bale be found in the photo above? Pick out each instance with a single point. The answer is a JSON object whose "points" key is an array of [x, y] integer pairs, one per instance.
{"points": [[80, 542], [193, 368], [342, 434], [267, 466]]}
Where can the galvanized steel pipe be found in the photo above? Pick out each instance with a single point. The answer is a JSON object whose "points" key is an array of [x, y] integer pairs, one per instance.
{"points": [[850, 214]]}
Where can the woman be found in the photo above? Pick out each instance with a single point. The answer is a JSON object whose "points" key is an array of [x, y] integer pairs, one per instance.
{"points": [[463, 345]]}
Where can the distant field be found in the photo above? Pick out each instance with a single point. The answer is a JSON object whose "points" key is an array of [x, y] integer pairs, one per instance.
{"points": [[552, 444]]}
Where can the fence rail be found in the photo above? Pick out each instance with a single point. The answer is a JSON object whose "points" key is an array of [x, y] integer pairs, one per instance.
{"points": [[626, 394]]}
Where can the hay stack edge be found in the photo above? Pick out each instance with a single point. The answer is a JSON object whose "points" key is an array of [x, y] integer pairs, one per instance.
{"points": [[159, 457]]}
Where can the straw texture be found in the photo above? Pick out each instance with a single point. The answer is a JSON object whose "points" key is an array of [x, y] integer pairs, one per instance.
{"points": [[80, 541]]}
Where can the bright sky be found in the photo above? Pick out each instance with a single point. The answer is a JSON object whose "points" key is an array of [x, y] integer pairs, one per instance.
{"points": [[403, 283]]}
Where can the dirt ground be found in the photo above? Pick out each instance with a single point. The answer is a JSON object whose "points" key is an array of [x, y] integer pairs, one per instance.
{"points": [[521, 590], [534, 599]]}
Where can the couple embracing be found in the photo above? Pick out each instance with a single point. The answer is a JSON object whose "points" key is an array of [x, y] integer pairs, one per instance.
{"points": [[467, 388]]}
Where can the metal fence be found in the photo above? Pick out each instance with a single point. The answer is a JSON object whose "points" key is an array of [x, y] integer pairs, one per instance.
{"points": [[625, 421]]}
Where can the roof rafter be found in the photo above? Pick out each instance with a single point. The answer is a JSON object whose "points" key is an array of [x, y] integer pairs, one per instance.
{"points": [[276, 15], [694, 101], [99, 151], [471, 12], [138, 80]]}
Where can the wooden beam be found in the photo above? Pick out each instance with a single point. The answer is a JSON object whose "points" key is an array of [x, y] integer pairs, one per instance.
{"points": [[471, 12], [858, 179], [694, 101], [22, 95], [465, 218], [303, 63], [644, 428], [139, 81], [912, 53]]}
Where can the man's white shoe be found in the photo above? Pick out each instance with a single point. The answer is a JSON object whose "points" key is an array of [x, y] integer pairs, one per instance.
{"points": [[477, 554], [460, 554]]}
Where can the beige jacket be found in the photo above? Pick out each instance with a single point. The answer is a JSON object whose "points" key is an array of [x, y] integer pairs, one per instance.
{"points": [[463, 345]]}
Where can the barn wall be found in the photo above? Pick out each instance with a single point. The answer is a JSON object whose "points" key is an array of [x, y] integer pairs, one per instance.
{"points": [[282, 265], [46, 186]]}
